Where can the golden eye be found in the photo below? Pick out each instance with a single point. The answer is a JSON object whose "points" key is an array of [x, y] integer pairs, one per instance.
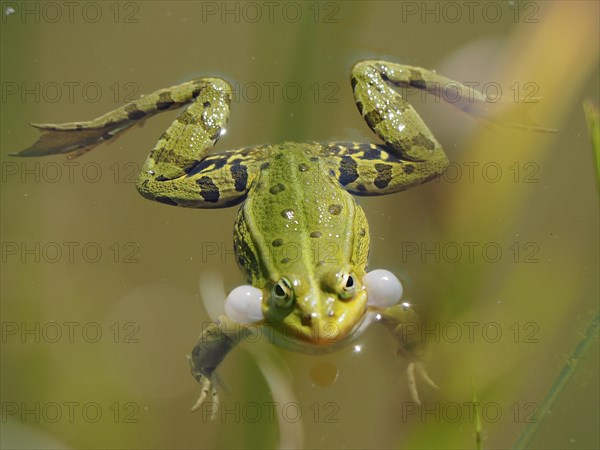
{"points": [[282, 293], [347, 286]]}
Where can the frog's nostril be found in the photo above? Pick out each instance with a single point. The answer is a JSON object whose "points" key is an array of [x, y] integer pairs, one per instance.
{"points": [[306, 320]]}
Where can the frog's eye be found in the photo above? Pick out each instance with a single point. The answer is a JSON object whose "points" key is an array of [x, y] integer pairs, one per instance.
{"points": [[282, 293], [244, 304], [383, 288], [347, 286]]}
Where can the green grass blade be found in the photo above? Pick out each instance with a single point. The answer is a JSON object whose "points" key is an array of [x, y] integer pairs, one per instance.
{"points": [[593, 123], [477, 416], [591, 116], [563, 378]]}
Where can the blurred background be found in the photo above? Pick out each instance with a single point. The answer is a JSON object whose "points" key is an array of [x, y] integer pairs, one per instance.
{"points": [[100, 288]]}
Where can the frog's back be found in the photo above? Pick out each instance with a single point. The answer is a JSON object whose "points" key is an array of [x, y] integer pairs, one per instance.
{"points": [[298, 217]]}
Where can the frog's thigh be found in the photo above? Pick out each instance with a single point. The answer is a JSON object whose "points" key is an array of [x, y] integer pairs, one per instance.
{"points": [[369, 169], [217, 181]]}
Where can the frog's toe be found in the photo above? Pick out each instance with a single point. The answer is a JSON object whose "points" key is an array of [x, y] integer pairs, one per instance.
{"points": [[206, 391], [419, 368]]}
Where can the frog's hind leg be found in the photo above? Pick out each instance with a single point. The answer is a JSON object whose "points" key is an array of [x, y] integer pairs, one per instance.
{"points": [[76, 138], [395, 121], [178, 171], [411, 154], [389, 115]]}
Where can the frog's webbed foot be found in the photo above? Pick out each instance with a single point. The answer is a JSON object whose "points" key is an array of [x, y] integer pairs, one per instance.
{"points": [[523, 123], [419, 368], [77, 138]]}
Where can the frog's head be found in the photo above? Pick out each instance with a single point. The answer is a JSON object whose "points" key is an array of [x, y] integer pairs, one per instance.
{"points": [[321, 310]]}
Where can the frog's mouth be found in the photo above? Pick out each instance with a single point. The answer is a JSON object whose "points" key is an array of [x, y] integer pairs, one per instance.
{"points": [[283, 338], [323, 333]]}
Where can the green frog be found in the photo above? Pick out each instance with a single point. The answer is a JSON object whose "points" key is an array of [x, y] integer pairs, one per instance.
{"points": [[291, 194]]}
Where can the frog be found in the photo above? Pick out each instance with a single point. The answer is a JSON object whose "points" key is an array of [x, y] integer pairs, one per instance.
{"points": [[290, 194]]}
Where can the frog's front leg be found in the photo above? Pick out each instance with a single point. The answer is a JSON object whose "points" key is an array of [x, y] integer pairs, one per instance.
{"points": [[405, 325], [215, 342], [384, 292]]}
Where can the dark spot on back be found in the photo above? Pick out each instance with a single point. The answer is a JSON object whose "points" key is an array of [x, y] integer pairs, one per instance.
{"points": [[287, 213], [335, 209], [276, 189], [265, 165], [316, 234], [408, 168], [277, 243], [285, 260], [359, 106], [206, 104], [302, 167]]}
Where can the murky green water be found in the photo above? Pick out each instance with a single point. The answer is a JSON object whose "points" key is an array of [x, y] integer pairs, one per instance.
{"points": [[100, 298]]}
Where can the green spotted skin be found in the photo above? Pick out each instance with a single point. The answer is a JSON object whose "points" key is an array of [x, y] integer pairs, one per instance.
{"points": [[299, 236], [297, 223]]}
